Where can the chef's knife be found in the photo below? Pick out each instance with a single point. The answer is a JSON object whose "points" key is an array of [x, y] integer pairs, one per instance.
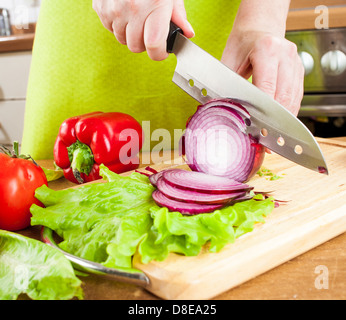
{"points": [[204, 78]]}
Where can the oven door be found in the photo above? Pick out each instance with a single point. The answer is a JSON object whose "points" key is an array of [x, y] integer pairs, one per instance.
{"points": [[323, 53]]}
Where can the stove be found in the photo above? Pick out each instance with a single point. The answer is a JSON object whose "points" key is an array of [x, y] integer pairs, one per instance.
{"points": [[323, 53]]}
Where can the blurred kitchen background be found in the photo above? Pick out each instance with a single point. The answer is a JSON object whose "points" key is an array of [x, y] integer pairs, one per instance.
{"points": [[323, 52], [318, 28], [17, 31]]}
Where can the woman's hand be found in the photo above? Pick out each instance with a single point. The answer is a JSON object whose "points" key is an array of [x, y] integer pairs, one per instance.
{"points": [[143, 25], [257, 47], [273, 62]]}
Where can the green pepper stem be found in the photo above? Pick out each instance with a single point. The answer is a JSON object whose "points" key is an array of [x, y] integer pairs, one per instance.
{"points": [[82, 159]]}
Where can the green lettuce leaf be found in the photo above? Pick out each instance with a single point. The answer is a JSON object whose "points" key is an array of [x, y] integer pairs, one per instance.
{"points": [[53, 175], [32, 267], [110, 222]]}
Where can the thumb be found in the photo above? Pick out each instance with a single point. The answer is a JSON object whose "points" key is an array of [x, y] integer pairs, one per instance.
{"points": [[180, 19]]}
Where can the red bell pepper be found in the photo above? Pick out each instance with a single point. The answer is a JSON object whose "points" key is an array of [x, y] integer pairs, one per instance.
{"points": [[86, 141]]}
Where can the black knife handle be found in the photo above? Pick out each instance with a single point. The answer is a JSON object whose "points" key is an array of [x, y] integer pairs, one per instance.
{"points": [[173, 30]]}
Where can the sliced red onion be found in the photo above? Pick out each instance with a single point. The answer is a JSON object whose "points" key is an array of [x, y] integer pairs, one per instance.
{"points": [[143, 173], [216, 142], [227, 103], [183, 207], [194, 196], [199, 181], [154, 177], [150, 169]]}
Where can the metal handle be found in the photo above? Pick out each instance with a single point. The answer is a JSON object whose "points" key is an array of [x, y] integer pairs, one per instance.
{"points": [[124, 275], [173, 30], [5, 24]]}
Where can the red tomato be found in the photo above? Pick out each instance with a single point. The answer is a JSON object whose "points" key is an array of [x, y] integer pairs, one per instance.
{"points": [[19, 179]]}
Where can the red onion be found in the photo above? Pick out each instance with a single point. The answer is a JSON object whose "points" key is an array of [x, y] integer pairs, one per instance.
{"points": [[221, 156], [202, 182], [216, 142], [154, 177], [150, 169], [194, 196], [190, 192], [183, 207]]}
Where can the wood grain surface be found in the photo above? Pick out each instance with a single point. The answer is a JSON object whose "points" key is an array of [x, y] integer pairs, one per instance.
{"points": [[302, 14], [17, 42]]}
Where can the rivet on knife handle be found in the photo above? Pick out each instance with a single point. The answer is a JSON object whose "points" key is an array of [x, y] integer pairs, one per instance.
{"points": [[173, 30]]}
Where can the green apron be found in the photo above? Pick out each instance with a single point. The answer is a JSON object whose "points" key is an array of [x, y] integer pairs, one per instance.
{"points": [[79, 67]]}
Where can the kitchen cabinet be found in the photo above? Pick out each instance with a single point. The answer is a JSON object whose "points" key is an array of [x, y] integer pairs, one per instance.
{"points": [[14, 75], [306, 14], [17, 42]]}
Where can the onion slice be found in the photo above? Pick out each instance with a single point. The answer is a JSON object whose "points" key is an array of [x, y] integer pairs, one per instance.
{"points": [[183, 207], [199, 181], [216, 142], [192, 196], [221, 155], [154, 177], [190, 192]]}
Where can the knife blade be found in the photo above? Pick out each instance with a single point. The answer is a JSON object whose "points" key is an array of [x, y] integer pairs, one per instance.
{"points": [[205, 78]]}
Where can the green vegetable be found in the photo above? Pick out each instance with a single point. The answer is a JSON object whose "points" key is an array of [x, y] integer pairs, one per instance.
{"points": [[268, 173], [32, 267], [52, 175], [110, 222]]}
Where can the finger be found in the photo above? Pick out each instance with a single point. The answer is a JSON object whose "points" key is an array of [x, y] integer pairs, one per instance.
{"points": [[117, 14], [106, 23], [299, 87], [156, 29], [180, 19], [134, 35], [100, 7], [287, 78], [244, 70], [265, 72], [119, 31], [285, 83]]}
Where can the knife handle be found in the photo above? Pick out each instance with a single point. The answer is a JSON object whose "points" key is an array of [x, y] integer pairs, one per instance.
{"points": [[173, 30]]}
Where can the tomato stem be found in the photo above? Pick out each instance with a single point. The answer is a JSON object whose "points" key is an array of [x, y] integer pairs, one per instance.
{"points": [[16, 149], [6, 150], [15, 152]]}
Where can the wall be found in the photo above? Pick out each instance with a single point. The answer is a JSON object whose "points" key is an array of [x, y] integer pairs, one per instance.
{"points": [[14, 72], [22, 12]]}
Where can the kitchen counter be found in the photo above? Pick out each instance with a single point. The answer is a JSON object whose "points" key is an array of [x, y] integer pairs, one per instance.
{"points": [[17, 42], [294, 279]]}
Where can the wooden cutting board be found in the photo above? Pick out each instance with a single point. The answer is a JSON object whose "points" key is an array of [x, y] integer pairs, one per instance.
{"points": [[315, 213]]}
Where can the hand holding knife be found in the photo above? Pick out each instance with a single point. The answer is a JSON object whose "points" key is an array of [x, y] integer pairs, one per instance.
{"points": [[137, 24], [273, 125]]}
